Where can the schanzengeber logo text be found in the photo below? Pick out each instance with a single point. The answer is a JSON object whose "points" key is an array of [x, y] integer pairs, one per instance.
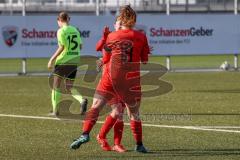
{"points": [[35, 33], [189, 32]]}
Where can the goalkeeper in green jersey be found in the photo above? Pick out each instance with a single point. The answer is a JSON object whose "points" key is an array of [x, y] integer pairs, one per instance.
{"points": [[66, 60]]}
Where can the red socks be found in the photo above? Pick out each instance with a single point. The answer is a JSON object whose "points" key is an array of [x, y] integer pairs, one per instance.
{"points": [[108, 124], [90, 120], [136, 127], [118, 132]]}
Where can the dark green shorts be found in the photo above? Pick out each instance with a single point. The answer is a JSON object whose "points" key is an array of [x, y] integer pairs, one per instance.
{"points": [[66, 71]]}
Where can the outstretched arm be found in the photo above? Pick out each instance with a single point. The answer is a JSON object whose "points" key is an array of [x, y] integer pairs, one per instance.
{"points": [[102, 41]]}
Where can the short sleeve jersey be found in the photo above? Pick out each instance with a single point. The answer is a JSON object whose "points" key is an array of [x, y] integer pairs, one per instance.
{"points": [[69, 37], [128, 48], [130, 42]]}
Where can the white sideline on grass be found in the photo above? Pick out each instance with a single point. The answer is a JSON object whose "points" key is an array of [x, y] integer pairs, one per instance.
{"points": [[201, 128]]}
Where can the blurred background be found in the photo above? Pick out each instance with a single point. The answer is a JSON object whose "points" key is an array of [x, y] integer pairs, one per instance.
{"points": [[15, 7], [110, 8]]}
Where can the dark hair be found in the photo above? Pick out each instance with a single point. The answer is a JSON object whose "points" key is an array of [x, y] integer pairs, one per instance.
{"points": [[127, 16], [63, 16]]}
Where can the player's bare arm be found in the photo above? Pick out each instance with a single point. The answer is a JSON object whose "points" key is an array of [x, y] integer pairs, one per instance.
{"points": [[55, 55]]}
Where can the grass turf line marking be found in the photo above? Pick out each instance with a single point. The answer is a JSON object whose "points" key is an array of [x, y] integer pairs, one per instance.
{"points": [[193, 128], [201, 128], [221, 127]]}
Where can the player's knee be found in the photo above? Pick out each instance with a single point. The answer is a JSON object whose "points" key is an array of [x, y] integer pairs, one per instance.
{"points": [[68, 89], [56, 85], [57, 82], [120, 117], [135, 117], [115, 114], [69, 86], [98, 103], [121, 113]]}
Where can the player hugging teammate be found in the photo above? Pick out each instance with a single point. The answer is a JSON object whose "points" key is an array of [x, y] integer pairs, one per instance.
{"points": [[115, 118], [120, 82]]}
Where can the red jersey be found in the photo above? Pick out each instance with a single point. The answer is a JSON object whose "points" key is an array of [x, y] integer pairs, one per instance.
{"points": [[131, 42], [104, 87], [121, 76], [99, 47], [128, 48], [104, 81]]}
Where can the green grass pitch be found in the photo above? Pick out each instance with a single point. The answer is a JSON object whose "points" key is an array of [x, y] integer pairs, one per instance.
{"points": [[205, 99]]}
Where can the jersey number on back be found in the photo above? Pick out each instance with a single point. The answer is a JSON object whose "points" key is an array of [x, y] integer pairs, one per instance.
{"points": [[72, 44], [124, 47]]}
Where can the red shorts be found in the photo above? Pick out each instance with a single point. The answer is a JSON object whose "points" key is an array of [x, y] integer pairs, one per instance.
{"points": [[125, 79], [106, 91], [118, 93], [105, 88]]}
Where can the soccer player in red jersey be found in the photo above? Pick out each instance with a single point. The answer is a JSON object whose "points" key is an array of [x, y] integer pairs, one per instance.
{"points": [[115, 118], [128, 48]]}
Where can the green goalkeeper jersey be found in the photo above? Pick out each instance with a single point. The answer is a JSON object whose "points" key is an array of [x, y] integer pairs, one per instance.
{"points": [[69, 37]]}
